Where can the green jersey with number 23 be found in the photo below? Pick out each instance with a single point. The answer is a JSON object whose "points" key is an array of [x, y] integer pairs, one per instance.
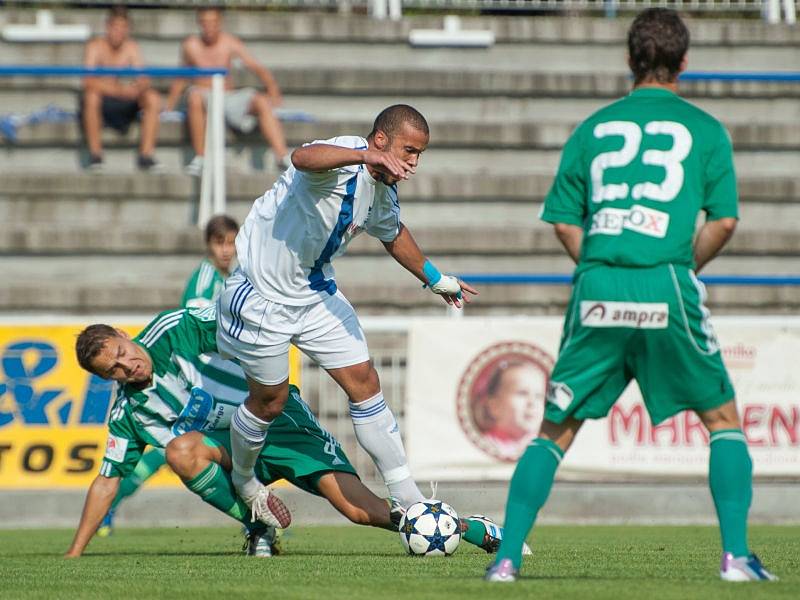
{"points": [[635, 175]]}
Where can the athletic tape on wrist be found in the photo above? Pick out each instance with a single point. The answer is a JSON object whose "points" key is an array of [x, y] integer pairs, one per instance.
{"points": [[431, 273]]}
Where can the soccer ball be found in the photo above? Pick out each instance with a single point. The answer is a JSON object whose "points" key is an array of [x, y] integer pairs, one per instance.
{"points": [[430, 528]]}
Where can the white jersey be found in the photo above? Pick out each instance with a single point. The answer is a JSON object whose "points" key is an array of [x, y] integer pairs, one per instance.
{"points": [[294, 231]]}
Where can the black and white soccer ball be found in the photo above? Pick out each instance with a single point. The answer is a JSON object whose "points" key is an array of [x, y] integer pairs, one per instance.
{"points": [[430, 528]]}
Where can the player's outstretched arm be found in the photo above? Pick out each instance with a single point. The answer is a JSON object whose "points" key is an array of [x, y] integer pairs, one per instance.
{"points": [[404, 250], [99, 498], [571, 237], [711, 239]]}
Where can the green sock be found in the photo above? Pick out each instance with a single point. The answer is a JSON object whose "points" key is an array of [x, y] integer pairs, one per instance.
{"points": [[215, 487], [475, 532], [150, 462], [731, 480], [527, 493]]}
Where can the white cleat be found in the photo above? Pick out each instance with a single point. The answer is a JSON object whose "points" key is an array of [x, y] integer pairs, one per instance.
{"points": [[261, 543], [743, 568], [270, 510]]}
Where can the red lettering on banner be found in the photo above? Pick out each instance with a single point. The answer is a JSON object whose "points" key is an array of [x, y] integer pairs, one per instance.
{"points": [[692, 426], [670, 425], [626, 422], [764, 425], [789, 423], [753, 418]]}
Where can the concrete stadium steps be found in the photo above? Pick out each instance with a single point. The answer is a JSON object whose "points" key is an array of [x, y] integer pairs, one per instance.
{"points": [[557, 43], [496, 237], [45, 186], [119, 241], [29, 190], [551, 57], [101, 284], [412, 80], [753, 112], [329, 27], [452, 133], [244, 158], [116, 199]]}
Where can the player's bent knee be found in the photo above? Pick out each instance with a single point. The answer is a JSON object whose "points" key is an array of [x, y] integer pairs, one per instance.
{"points": [[182, 452]]}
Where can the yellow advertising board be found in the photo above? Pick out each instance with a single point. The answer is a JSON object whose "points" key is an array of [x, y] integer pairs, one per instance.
{"points": [[52, 413]]}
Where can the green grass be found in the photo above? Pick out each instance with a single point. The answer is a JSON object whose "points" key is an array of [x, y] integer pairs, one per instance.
{"points": [[354, 563]]}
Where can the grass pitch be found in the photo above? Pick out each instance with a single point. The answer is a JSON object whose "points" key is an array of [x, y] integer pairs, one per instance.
{"points": [[359, 563]]}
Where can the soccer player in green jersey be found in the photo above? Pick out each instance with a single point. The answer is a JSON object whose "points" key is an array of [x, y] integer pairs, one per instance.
{"points": [[201, 290], [624, 204], [208, 279], [177, 394]]}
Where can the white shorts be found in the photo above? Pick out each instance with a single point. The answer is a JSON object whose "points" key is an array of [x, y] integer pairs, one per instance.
{"points": [[257, 331]]}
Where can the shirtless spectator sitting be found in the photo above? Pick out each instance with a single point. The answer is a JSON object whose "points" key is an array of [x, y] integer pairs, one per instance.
{"points": [[244, 108], [108, 101]]}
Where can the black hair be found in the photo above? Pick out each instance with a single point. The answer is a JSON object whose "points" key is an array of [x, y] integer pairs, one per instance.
{"points": [[657, 43], [391, 119]]}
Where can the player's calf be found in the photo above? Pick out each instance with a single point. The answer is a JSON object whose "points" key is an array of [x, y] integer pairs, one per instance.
{"points": [[355, 501]]}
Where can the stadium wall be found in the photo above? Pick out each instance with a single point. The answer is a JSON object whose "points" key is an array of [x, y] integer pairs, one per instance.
{"points": [[51, 432]]}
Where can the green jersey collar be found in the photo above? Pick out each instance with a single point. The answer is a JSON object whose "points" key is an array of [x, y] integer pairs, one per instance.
{"points": [[652, 92]]}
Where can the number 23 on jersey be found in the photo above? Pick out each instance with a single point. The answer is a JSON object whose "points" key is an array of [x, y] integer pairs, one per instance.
{"points": [[671, 160]]}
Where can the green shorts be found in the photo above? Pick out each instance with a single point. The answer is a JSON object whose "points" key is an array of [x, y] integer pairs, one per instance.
{"points": [[298, 448], [648, 324]]}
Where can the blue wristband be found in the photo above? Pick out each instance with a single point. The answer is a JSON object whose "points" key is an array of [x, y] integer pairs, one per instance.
{"points": [[431, 273]]}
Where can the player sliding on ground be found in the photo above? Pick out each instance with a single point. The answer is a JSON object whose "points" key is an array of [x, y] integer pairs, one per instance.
{"points": [[284, 291], [176, 393], [201, 290], [624, 203]]}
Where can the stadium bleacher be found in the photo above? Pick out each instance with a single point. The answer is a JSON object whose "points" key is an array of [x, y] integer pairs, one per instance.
{"points": [[498, 117]]}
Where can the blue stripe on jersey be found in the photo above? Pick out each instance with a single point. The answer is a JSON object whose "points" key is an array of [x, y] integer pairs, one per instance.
{"points": [[315, 277]]}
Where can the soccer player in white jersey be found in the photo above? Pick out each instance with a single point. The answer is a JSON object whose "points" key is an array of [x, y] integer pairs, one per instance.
{"points": [[284, 291]]}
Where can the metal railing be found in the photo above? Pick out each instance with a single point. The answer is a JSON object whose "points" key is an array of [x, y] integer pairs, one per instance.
{"points": [[212, 184]]}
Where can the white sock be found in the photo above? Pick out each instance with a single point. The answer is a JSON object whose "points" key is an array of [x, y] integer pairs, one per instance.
{"points": [[248, 434], [377, 433]]}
